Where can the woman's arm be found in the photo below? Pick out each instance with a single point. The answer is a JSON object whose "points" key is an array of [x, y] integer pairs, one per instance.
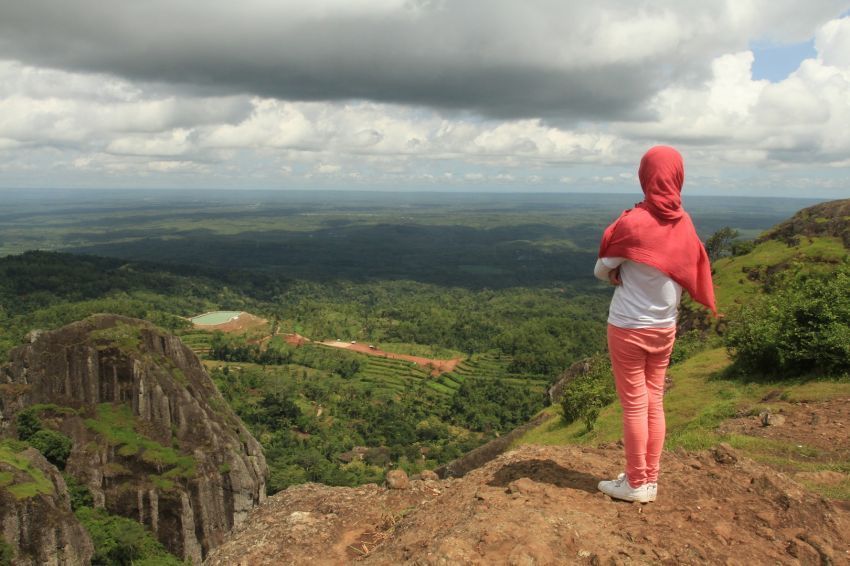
{"points": [[608, 269], [600, 270]]}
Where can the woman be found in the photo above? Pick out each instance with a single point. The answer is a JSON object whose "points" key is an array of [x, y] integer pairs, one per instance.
{"points": [[650, 253]]}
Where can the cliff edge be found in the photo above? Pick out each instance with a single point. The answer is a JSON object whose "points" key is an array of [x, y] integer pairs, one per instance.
{"points": [[539, 505]]}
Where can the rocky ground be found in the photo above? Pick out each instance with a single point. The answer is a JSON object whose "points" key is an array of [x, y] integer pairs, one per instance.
{"points": [[539, 505]]}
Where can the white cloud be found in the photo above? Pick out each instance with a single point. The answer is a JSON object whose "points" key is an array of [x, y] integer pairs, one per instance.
{"points": [[60, 123]]}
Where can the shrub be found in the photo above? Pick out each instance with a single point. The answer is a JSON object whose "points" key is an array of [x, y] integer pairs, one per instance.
{"points": [[803, 326], [588, 394], [27, 424], [688, 344], [55, 446], [80, 494], [120, 541], [7, 553]]}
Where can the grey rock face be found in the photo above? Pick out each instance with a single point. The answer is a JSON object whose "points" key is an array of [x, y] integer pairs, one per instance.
{"points": [[36, 519], [153, 438]]}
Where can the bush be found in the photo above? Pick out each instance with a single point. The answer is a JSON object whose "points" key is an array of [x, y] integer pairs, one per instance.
{"points": [[689, 344], [7, 553], [27, 424], [802, 327], [120, 541], [55, 446], [80, 494], [588, 394]]}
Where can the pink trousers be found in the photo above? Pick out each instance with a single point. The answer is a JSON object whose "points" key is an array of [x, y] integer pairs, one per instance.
{"points": [[640, 357]]}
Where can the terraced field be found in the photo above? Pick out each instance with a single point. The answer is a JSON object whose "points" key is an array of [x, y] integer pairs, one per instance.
{"points": [[385, 377], [489, 366], [198, 340]]}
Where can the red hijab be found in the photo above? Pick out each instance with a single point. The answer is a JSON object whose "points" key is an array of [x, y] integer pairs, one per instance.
{"points": [[658, 231]]}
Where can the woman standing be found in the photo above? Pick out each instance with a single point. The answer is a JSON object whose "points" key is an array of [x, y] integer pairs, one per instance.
{"points": [[650, 253]]}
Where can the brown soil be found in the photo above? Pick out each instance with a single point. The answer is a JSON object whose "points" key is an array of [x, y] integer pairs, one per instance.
{"points": [[295, 339], [539, 505], [244, 322], [434, 365], [824, 426]]}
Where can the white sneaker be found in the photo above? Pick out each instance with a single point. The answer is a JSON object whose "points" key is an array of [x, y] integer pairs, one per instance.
{"points": [[652, 487], [620, 489]]}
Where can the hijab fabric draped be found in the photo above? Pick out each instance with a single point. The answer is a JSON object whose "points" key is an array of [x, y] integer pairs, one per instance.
{"points": [[658, 232]]}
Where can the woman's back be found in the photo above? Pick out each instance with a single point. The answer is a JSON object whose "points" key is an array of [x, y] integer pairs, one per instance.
{"points": [[647, 298]]}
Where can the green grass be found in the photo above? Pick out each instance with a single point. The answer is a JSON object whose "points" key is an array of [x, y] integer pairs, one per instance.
{"points": [[117, 425], [35, 483], [813, 391]]}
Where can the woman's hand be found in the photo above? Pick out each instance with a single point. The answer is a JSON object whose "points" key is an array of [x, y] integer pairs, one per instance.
{"points": [[614, 277]]}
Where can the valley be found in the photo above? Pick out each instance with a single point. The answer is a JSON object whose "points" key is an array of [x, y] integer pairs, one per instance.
{"points": [[358, 334]]}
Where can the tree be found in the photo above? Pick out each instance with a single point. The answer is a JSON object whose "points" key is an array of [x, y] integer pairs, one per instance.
{"points": [[719, 244]]}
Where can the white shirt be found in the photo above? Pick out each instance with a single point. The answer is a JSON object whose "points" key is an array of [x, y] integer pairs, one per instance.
{"points": [[647, 298]]}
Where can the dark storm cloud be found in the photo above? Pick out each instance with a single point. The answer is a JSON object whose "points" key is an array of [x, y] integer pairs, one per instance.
{"points": [[549, 59]]}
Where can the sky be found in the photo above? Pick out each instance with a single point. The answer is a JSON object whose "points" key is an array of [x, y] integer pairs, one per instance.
{"points": [[442, 95]]}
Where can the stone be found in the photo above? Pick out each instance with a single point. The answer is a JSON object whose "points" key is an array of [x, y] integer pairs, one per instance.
{"points": [[771, 419], [724, 454], [429, 475], [397, 479], [299, 517], [524, 486]]}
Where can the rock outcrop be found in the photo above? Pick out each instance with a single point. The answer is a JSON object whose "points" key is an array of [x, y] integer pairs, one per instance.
{"points": [[36, 522], [153, 439], [539, 505]]}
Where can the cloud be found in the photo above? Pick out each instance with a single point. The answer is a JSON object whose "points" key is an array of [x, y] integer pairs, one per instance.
{"points": [[499, 58], [117, 113], [730, 117]]}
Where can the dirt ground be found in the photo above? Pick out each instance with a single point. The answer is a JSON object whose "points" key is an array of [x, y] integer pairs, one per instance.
{"points": [[295, 339], [435, 366], [539, 505], [823, 425]]}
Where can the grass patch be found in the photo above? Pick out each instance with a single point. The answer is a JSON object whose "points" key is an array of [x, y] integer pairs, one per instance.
{"points": [[35, 483], [813, 391], [162, 483], [696, 404], [6, 478], [117, 425], [125, 337]]}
